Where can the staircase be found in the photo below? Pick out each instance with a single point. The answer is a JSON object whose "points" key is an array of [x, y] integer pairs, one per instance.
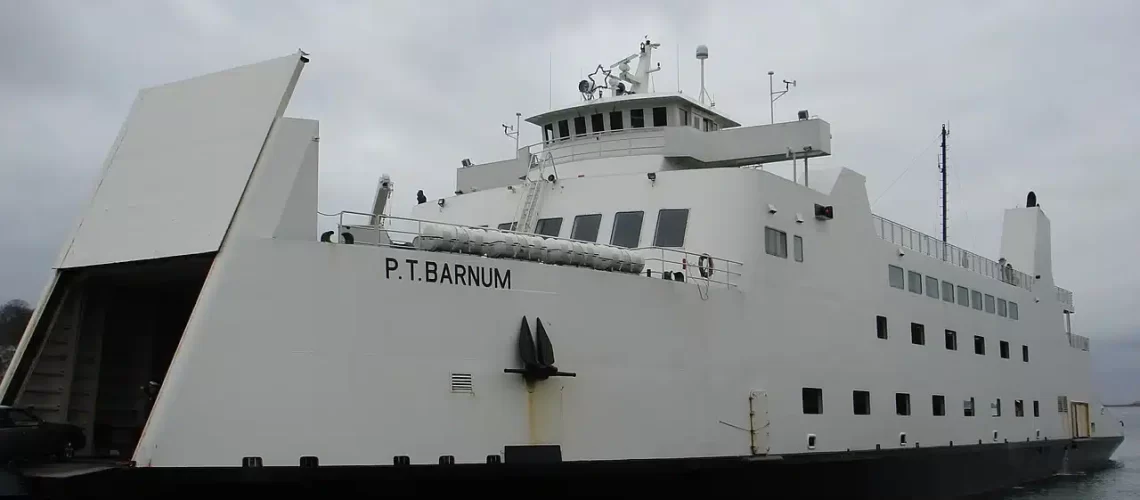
{"points": [[532, 203], [48, 387]]}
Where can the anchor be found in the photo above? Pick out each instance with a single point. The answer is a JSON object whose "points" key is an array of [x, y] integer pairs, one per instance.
{"points": [[537, 355]]}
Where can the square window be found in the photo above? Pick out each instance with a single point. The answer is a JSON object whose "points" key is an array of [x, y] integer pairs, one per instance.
{"points": [[1025, 353], [615, 120], [917, 334], [627, 229], [775, 242], [976, 299], [963, 296], [798, 248], [1013, 310], [894, 273], [881, 326], [938, 405], [549, 227], [585, 227], [932, 287], [979, 345], [813, 401], [990, 304], [861, 400], [1018, 408], [637, 118], [660, 117], [1001, 308], [915, 282], [951, 340], [968, 407], [1003, 349], [671, 225], [948, 292], [1036, 408], [902, 403]]}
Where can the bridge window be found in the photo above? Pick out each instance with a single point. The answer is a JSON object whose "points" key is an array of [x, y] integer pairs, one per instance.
{"points": [[579, 125], [671, 225], [861, 402], [776, 242], [508, 226], [615, 120], [563, 129], [963, 296], [813, 401], [1001, 308], [798, 248], [894, 274], [585, 227], [627, 229], [990, 303], [549, 227], [948, 292], [684, 117], [914, 282], [598, 123], [636, 118], [1013, 310], [932, 287], [660, 117], [976, 299], [548, 132]]}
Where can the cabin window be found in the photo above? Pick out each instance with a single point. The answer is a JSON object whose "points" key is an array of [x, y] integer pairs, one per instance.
{"points": [[636, 118], [948, 292], [895, 276], [713, 127], [813, 401], [914, 282], [902, 403], [995, 408], [707, 124], [917, 334], [776, 242], [549, 227], [1025, 353], [932, 287], [861, 402], [798, 248], [881, 326], [598, 123], [684, 117], [938, 405], [508, 226], [1001, 307], [548, 132], [580, 125], [671, 225], [627, 229], [963, 296], [951, 340], [979, 345], [696, 121], [1003, 349], [1018, 408], [585, 227], [976, 299], [1013, 310], [968, 407], [660, 117], [1036, 408], [615, 120], [990, 304], [563, 129]]}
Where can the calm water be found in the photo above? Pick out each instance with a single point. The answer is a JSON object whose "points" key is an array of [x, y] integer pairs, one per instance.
{"points": [[1120, 482]]}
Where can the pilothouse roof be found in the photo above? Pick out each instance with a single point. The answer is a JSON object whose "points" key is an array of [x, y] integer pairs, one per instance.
{"points": [[614, 101]]}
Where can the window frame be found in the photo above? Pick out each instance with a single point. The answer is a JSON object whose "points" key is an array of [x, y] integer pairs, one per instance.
{"points": [[914, 281], [782, 242], [640, 227], [636, 115], [814, 395], [598, 122], [574, 227], [558, 227], [580, 129], [661, 112], [855, 396], [963, 296], [951, 340], [947, 296], [891, 275], [684, 227], [798, 247], [902, 404], [932, 291], [618, 123], [938, 405]]}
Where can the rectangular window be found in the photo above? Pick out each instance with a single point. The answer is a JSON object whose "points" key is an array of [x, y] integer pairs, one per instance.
{"points": [[932, 287], [914, 282], [636, 118], [894, 275], [549, 227], [963, 296], [708, 125], [902, 403], [990, 304], [951, 340], [1013, 310], [585, 227], [1036, 408], [881, 326], [1025, 353], [813, 401], [1018, 408], [696, 121], [775, 242], [508, 226], [968, 407], [861, 402], [948, 292], [1001, 308], [1003, 349], [979, 345], [660, 117], [917, 334], [671, 225], [598, 122], [684, 117], [798, 248], [938, 405], [548, 132], [580, 125], [563, 129], [615, 120], [995, 408], [627, 229], [976, 299]]}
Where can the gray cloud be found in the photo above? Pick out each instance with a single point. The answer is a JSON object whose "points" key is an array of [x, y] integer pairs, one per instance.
{"points": [[1037, 98]]}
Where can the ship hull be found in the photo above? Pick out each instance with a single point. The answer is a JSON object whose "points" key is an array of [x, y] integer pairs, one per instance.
{"points": [[936, 472]]}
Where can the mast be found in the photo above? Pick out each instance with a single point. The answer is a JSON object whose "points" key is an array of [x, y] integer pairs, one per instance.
{"points": [[942, 169]]}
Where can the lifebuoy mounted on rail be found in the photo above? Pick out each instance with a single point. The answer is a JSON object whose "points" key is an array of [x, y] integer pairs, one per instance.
{"points": [[705, 265]]}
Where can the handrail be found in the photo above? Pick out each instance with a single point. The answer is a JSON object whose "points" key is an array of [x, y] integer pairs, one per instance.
{"points": [[1078, 341], [687, 264], [1065, 297], [920, 242]]}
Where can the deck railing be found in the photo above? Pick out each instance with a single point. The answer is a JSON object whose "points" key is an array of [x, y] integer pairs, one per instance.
{"points": [[916, 240], [1078, 342], [1065, 297], [719, 270]]}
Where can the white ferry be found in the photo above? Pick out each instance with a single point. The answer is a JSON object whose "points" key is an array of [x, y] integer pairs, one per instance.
{"points": [[634, 300]]}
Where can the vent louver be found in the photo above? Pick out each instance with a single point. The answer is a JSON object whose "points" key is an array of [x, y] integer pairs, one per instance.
{"points": [[462, 383]]}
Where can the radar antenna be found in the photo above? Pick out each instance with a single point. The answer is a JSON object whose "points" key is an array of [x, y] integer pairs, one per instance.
{"points": [[623, 82], [702, 54]]}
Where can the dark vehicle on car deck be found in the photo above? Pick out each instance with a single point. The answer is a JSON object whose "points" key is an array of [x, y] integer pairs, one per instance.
{"points": [[26, 437]]}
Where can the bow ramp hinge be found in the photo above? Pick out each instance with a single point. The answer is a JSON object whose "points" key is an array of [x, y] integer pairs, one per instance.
{"points": [[537, 354]]}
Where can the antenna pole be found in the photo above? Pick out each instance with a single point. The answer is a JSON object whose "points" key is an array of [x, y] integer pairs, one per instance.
{"points": [[942, 169], [702, 81], [677, 50], [771, 102]]}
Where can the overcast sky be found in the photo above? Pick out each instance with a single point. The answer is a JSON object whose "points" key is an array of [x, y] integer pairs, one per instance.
{"points": [[1039, 96]]}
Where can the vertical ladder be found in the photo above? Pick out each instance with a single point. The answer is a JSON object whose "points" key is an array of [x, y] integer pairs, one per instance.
{"points": [[532, 203]]}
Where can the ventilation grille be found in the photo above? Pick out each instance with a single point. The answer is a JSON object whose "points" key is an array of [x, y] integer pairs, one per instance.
{"points": [[1063, 404], [462, 383]]}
